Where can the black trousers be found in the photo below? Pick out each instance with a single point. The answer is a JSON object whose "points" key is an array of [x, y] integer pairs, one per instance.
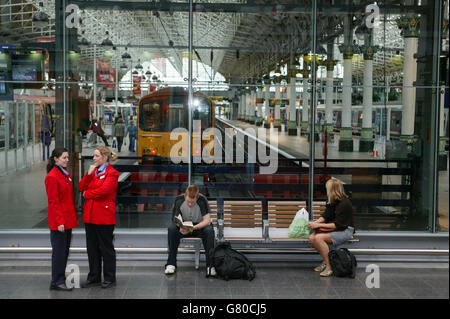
{"points": [[100, 248], [104, 139], [174, 236], [119, 143], [60, 252]]}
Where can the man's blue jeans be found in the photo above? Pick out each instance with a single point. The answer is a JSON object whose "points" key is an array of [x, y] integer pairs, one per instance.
{"points": [[132, 142]]}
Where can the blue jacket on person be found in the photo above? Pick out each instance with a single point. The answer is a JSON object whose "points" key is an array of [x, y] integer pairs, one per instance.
{"points": [[132, 130]]}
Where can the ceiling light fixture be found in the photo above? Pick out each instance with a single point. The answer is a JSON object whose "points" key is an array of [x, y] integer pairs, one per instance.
{"points": [[126, 55], [40, 18], [139, 66], [107, 42], [83, 40]]}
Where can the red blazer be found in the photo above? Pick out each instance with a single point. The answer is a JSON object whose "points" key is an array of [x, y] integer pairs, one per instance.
{"points": [[61, 208], [100, 195]]}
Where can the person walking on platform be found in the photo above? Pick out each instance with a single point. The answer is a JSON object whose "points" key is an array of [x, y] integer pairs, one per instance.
{"points": [[46, 136], [334, 227], [99, 187], [132, 133], [62, 216], [119, 133], [193, 207], [97, 128]]}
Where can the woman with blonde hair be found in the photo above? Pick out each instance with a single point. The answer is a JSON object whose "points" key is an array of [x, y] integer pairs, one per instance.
{"points": [[334, 227], [99, 187]]}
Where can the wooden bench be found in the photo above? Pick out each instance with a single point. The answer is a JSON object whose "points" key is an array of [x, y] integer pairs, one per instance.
{"points": [[242, 220], [281, 214]]}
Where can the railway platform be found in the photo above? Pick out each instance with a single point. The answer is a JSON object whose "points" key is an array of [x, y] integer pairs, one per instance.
{"points": [[276, 280]]}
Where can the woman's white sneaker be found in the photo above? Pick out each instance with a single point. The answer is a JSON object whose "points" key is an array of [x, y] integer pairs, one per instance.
{"points": [[211, 272], [170, 270]]}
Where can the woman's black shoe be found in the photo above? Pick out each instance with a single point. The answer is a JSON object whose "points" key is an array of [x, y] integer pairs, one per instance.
{"points": [[108, 284], [61, 287], [88, 284]]}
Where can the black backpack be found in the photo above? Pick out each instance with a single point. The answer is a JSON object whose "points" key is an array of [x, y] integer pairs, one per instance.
{"points": [[343, 262], [231, 264]]}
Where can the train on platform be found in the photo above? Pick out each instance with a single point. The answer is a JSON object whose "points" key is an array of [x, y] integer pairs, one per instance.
{"points": [[383, 117], [161, 114], [166, 110]]}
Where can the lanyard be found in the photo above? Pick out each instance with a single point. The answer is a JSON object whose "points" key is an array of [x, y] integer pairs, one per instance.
{"points": [[101, 169], [62, 170]]}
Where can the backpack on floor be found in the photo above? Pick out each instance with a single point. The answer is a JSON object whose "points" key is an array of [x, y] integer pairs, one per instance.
{"points": [[343, 262], [231, 264]]}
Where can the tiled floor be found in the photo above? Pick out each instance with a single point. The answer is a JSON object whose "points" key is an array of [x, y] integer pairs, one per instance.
{"points": [[145, 280]]}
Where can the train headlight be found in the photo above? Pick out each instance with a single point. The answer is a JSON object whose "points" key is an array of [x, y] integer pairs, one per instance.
{"points": [[151, 151]]}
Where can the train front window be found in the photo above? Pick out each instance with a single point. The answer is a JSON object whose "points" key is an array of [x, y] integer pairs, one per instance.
{"points": [[160, 116], [177, 116], [150, 117], [201, 111], [165, 115]]}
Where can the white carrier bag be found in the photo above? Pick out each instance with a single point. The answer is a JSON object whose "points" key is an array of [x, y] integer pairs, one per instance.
{"points": [[298, 228]]}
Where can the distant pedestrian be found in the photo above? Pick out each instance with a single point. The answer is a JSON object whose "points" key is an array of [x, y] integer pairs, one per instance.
{"points": [[46, 136], [119, 133], [62, 216], [97, 128], [132, 133]]}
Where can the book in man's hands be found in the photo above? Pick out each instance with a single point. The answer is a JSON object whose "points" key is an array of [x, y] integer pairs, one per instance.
{"points": [[178, 220]]}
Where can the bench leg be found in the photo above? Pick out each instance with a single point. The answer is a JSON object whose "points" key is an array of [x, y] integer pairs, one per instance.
{"points": [[197, 255]]}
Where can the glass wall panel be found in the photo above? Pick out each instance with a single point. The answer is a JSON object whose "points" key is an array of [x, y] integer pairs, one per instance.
{"points": [[126, 90], [247, 60], [376, 112], [250, 100], [443, 178]]}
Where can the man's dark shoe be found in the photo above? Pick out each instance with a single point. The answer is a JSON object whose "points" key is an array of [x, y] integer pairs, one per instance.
{"points": [[61, 287], [89, 284], [108, 284]]}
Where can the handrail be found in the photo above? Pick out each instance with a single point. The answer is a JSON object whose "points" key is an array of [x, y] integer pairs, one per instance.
{"points": [[148, 250]]}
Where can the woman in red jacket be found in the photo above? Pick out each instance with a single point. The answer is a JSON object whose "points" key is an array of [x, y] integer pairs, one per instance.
{"points": [[99, 187], [62, 216]]}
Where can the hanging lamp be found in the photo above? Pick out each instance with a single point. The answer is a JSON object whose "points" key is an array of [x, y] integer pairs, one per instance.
{"points": [[40, 18]]}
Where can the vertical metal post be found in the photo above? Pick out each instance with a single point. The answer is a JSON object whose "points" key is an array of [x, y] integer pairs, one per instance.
{"points": [[116, 91], [7, 135], [33, 131], [60, 74], [437, 43], [312, 118], [95, 82], [190, 93], [64, 56], [16, 132], [25, 136]]}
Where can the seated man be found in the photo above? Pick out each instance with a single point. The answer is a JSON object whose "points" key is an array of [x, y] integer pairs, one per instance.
{"points": [[193, 207]]}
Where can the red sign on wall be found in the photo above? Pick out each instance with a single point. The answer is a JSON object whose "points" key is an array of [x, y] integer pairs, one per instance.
{"points": [[105, 73], [137, 85]]}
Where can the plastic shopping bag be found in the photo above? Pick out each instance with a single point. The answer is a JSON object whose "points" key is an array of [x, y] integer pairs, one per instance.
{"points": [[298, 228]]}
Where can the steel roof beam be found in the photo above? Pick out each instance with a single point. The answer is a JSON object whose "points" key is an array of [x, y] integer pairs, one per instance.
{"points": [[238, 7]]}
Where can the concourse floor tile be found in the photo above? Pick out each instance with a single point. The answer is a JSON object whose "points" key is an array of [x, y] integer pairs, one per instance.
{"points": [[29, 280]]}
